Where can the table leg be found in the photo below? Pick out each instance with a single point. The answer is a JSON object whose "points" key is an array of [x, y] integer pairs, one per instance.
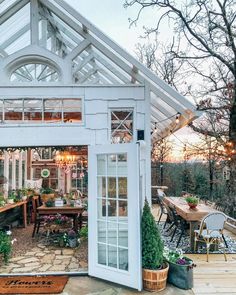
{"points": [[24, 207], [193, 226]]}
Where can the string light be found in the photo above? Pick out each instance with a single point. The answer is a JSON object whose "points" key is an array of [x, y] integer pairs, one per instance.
{"points": [[177, 120]]}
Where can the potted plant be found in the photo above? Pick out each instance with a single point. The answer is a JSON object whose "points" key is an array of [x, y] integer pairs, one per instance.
{"points": [[11, 198], [47, 193], [72, 238], [24, 193], [192, 201], [2, 200], [180, 269], [155, 269]]}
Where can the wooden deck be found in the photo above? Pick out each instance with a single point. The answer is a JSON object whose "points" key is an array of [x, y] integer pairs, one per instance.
{"points": [[216, 276]]}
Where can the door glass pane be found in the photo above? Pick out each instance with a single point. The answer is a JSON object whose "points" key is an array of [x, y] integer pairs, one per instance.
{"points": [[52, 110], [101, 164], [112, 208], [33, 110], [122, 164], [112, 256], [112, 233], [123, 210], [102, 254], [102, 232], [122, 185], [102, 210], [123, 235], [111, 165], [101, 187], [111, 187], [123, 258]]}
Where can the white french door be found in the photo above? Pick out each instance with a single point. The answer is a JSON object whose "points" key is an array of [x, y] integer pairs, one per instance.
{"points": [[114, 214]]}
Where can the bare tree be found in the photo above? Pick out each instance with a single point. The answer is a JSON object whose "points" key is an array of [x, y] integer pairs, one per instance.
{"points": [[205, 31]]}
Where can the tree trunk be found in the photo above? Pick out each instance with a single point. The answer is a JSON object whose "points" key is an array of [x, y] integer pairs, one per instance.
{"points": [[232, 138]]}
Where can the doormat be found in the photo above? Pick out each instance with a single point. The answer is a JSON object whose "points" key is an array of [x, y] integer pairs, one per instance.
{"points": [[32, 284]]}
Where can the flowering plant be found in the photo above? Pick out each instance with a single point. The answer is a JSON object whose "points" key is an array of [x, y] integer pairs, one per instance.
{"points": [[177, 257], [56, 219], [6, 245], [71, 234]]}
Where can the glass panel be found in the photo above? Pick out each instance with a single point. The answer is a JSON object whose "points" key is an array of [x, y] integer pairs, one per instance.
{"points": [[101, 163], [102, 254], [101, 187], [111, 165], [52, 110], [112, 233], [112, 208], [1, 110], [13, 110], [72, 110], [112, 256], [122, 165], [121, 126], [111, 187], [122, 188], [123, 234], [33, 110], [101, 208], [102, 232], [123, 210], [123, 259]]}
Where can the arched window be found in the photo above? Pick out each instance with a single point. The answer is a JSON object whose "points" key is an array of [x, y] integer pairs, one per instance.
{"points": [[35, 72]]}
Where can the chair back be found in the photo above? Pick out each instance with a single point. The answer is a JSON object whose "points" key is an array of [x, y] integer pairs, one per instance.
{"points": [[214, 221]]}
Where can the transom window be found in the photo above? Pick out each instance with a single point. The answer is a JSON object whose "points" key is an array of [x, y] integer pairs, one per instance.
{"points": [[40, 110], [35, 72], [121, 126]]}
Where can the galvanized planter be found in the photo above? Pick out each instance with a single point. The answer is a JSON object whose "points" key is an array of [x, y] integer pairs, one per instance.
{"points": [[181, 275]]}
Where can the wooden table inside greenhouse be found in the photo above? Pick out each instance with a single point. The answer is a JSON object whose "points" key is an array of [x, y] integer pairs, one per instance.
{"points": [[22, 204], [74, 212], [193, 216]]}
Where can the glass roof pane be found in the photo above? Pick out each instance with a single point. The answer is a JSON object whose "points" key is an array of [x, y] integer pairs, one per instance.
{"points": [[5, 4], [9, 30]]}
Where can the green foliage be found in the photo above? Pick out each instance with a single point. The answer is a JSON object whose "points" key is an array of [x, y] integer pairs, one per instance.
{"points": [[152, 245], [5, 246], [192, 199], [83, 233], [47, 190]]}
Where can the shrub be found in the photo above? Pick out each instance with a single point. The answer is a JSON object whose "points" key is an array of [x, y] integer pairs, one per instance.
{"points": [[152, 244]]}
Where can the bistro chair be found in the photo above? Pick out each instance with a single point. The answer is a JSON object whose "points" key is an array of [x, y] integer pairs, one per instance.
{"points": [[37, 219], [211, 232], [178, 223], [163, 210]]}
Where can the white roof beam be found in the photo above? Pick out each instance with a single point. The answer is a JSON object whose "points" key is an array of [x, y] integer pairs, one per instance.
{"points": [[34, 22], [111, 68], [153, 77], [83, 63], [168, 100], [77, 50], [11, 10]]}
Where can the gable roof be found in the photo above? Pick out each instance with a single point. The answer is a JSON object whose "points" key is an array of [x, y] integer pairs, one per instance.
{"points": [[95, 58]]}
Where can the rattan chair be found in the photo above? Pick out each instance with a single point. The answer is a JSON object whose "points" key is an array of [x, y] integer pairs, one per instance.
{"points": [[211, 232]]}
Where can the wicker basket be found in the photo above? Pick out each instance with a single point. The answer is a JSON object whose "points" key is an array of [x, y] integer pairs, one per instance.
{"points": [[155, 280]]}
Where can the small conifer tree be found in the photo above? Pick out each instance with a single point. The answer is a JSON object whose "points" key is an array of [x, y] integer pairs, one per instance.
{"points": [[152, 244]]}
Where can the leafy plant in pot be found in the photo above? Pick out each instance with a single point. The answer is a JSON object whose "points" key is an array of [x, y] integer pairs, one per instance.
{"points": [[192, 201], [155, 270], [180, 269]]}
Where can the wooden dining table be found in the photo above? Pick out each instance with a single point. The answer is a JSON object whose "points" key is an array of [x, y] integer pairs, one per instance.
{"points": [[193, 216], [74, 212]]}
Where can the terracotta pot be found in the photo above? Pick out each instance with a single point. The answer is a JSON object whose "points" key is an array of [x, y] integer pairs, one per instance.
{"points": [[192, 206], [155, 280]]}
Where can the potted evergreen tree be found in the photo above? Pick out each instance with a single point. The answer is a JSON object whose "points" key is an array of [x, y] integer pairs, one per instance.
{"points": [[155, 270]]}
